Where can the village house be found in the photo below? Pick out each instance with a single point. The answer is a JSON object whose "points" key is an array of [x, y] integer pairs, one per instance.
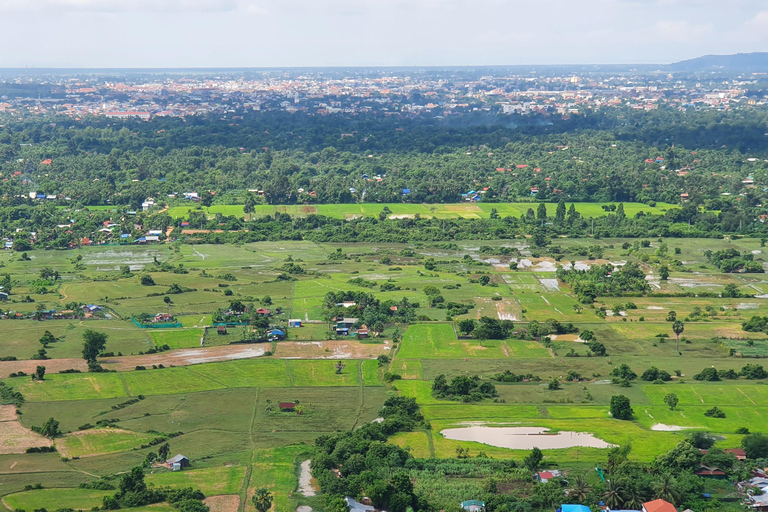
{"points": [[162, 318], [658, 506]]}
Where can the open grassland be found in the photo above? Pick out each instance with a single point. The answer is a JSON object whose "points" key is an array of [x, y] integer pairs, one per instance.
{"points": [[60, 498], [100, 441], [440, 211], [226, 412]]}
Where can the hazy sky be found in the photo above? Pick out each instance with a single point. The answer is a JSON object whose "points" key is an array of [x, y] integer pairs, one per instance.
{"points": [[252, 33]]}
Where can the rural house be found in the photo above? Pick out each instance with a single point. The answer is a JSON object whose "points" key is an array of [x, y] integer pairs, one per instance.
{"points": [[221, 330], [178, 462], [473, 506], [658, 506], [294, 322], [287, 406]]}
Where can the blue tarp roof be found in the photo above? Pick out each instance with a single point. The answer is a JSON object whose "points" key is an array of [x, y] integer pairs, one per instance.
{"points": [[276, 332], [406, 191], [574, 508]]}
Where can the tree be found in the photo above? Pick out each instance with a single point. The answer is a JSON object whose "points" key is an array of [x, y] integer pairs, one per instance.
{"points": [[50, 429], [467, 325], [701, 440], [612, 496], [339, 366], [539, 237], [47, 338], [621, 408], [671, 400], [483, 280], [262, 500], [553, 385], [731, 291], [579, 489], [664, 272], [94, 344], [755, 446], [164, 451], [167, 300], [666, 489], [147, 281], [250, 204], [678, 327], [541, 212], [533, 460], [560, 212], [39, 373]]}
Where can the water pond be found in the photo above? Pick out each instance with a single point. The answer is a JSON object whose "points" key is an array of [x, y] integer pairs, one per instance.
{"points": [[524, 438]]}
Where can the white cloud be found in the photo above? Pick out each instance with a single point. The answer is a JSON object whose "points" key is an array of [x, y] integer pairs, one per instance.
{"points": [[179, 6], [681, 31]]}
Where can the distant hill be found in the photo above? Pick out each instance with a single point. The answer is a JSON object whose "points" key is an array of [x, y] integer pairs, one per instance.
{"points": [[752, 62]]}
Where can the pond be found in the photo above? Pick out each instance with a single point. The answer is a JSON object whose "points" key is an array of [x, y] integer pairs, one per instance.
{"points": [[524, 438]]}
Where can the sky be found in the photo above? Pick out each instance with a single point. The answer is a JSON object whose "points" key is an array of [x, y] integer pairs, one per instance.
{"points": [[298, 33]]}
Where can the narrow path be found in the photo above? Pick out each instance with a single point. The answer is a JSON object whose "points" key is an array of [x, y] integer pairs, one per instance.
{"points": [[249, 469], [430, 443], [362, 393], [743, 393]]}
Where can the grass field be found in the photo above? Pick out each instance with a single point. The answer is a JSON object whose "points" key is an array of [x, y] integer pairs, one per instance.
{"points": [[440, 211], [238, 440]]}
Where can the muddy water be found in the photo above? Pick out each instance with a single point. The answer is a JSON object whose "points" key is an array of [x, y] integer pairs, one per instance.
{"points": [[524, 438]]}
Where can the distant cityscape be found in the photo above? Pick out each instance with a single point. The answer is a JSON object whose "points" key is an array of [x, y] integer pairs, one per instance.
{"points": [[404, 92]]}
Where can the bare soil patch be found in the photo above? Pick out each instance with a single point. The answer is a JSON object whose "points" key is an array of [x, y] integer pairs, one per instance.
{"points": [[331, 349], [223, 503], [186, 356], [51, 366], [14, 437]]}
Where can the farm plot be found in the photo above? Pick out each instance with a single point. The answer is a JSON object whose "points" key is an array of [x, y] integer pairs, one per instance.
{"points": [[88, 443], [15, 438], [427, 341]]}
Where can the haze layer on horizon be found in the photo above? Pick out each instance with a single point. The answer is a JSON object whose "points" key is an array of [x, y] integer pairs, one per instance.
{"points": [[295, 33]]}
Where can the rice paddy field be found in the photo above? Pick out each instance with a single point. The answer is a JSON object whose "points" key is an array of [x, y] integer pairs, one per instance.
{"points": [[215, 399], [400, 210]]}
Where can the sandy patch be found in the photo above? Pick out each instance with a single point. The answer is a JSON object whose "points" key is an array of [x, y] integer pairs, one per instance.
{"points": [[305, 480], [223, 503], [660, 427], [506, 311], [655, 307], [331, 349], [14, 437], [551, 285], [186, 356], [747, 305]]}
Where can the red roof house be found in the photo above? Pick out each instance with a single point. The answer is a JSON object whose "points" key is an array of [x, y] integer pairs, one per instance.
{"points": [[658, 506]]}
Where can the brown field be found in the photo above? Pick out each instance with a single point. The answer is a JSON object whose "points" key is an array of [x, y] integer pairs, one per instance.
{"points": [[223, 503], [333, 349], [186, 356], [462, 208], [15, 438], [51, 366]]}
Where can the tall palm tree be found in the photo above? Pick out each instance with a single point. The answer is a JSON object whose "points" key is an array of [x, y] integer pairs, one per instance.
{"points": [[678, 327], [579, 489], [666, 489], [612, 494], [632, 499]]}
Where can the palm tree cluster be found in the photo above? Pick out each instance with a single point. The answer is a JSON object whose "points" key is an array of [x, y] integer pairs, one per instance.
{"points": [[625, 491]]}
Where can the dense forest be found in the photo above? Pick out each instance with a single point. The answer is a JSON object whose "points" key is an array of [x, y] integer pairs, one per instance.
{"points": [[712, 163]]}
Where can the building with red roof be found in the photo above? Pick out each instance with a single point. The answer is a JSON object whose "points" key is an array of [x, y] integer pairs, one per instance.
{"points": [[658, 506]]}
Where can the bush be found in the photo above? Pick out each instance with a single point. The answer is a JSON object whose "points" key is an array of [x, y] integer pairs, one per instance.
{"points": [[714, 412]]}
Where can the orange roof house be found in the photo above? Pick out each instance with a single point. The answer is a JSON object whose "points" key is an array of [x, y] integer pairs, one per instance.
{"points": [[658, 506], [47, 161]]}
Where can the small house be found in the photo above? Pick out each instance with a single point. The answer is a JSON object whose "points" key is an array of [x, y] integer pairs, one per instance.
{"points": [[179, 459], [739, 453], [658, 506], [354, 506], [294, 322], [473, 506], [3, 296], [574, 508], [221, 330], [287, 406], [711, 472], [276, 335], [545, 476], [263, 312], [161, 318], [362, 333]]}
